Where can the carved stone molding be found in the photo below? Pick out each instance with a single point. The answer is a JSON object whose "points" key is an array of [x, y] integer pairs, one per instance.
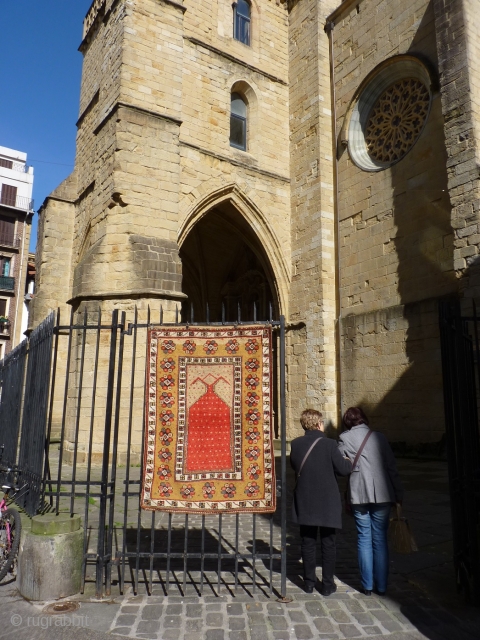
{"points": [[388, 113]]}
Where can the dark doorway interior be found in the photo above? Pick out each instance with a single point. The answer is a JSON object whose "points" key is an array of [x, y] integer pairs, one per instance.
{"points": [[225, 265]]}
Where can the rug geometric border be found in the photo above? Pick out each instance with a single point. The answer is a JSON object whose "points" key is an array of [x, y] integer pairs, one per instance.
{"points": [[249, 485]]}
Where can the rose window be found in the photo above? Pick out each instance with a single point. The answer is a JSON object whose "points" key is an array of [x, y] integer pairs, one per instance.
{"points": [[388, 113], [397, 119]]}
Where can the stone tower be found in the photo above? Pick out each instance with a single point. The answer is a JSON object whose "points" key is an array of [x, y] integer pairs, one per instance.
{"points": [[233, 155]]}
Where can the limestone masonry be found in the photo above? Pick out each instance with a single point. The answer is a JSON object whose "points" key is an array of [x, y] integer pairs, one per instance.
{"points": [[353, 209]]}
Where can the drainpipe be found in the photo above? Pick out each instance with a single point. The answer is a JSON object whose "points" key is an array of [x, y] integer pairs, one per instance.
{"points": [[329, 27]]}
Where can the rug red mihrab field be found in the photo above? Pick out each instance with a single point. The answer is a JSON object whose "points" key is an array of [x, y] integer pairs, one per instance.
{"points": [[208, 444]]}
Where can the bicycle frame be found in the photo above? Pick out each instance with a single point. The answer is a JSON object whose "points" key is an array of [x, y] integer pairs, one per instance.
{"points": [[3, 508]]}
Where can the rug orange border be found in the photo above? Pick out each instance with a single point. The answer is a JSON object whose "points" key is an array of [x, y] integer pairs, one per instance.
{"points": [[249, 486]]}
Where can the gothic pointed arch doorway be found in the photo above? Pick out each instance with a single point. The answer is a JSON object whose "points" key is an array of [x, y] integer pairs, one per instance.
{"points": [[226, 270]]}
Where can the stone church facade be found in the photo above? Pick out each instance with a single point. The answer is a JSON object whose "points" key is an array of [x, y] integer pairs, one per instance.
{"points": [[344, 193]]}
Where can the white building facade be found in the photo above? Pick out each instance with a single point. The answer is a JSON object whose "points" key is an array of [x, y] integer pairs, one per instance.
{"points": [[16, 213]]}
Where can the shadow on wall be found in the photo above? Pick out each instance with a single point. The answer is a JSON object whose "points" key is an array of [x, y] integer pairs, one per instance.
{"points": [[406, 340]]}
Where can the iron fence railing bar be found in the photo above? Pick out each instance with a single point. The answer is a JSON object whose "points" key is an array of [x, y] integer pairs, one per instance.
{"points": [[254, 549], [106, 455], [88, 327], [152, 550], [139, 515], [79, 406], [185, 325], [283, 437], [237, 522], [129, 445], [461, 381], [219, 566], [179, 555], [89, 482], [185, 556], [202, 555], [12, 380], [64, 412], [169, 552], [35, 413], [271, 557], [473, 497], [46, 469], [113, 467]]}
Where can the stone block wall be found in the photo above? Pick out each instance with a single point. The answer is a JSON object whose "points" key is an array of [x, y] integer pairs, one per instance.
{"points": [[456, 26], [395, 236], [312, 371]]}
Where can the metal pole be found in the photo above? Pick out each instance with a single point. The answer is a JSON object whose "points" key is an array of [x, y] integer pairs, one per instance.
{"points": [[283, 436], [106, 455]]}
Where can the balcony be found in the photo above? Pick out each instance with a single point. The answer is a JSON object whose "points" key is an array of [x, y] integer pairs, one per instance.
{"points": [[21, 167], [7, 283], [19, 202], [10, 241]]}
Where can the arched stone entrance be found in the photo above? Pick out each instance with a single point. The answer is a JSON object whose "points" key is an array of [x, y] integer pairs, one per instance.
{"points": [[226, 267]]}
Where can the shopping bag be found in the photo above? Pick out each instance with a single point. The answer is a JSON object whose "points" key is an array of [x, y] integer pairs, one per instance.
{"points": [[400, 534]]}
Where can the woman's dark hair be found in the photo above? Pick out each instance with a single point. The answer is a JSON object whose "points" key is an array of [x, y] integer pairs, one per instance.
{"points": [[354, 416]]}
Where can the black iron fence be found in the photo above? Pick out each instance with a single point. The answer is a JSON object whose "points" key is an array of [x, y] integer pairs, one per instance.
{"points": [[461, 378], [72, 420], [24, 388]]}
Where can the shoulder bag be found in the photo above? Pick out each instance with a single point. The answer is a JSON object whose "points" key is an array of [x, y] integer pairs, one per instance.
{"points": [[304, 460], [348, 506]]}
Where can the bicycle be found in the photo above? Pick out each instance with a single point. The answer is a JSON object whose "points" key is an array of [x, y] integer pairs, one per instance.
{"points": [[10, 529], [10, 526]]}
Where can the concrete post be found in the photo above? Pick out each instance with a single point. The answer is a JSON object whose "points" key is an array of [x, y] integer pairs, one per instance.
{"points": [[50, 558]]}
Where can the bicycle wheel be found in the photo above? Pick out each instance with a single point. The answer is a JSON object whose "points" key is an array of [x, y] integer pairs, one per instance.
{"points": [[10, 529]]}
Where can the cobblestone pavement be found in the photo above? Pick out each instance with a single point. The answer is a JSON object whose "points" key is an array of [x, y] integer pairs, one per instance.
{"points": [[421, 601]]}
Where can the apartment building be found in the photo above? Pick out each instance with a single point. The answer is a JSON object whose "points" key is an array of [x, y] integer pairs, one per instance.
{"points": [[16, 212]]}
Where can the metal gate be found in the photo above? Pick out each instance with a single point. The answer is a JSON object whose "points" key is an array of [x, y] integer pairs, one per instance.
{"points": [[461, 380], [86, 388]]}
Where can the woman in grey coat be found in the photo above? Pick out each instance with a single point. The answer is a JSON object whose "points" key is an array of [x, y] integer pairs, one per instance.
{"points": [[374, 485]]}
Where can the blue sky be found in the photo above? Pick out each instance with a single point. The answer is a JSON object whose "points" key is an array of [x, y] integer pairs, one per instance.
{"points": [[40, 72]]}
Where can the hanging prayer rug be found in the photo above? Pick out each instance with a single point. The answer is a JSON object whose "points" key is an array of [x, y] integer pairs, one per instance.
{"points": [[208, 441]]}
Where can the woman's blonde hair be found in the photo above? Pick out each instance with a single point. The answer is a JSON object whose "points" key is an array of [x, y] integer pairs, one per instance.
{"points": [[310, 419]]}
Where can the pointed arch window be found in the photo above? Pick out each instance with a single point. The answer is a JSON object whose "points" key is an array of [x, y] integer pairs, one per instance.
{"points": [[238, 122], [241, 21]]}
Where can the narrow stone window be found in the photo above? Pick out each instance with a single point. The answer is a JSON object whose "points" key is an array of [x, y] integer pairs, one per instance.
{"points": [[241, 21], [238, 122]]}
